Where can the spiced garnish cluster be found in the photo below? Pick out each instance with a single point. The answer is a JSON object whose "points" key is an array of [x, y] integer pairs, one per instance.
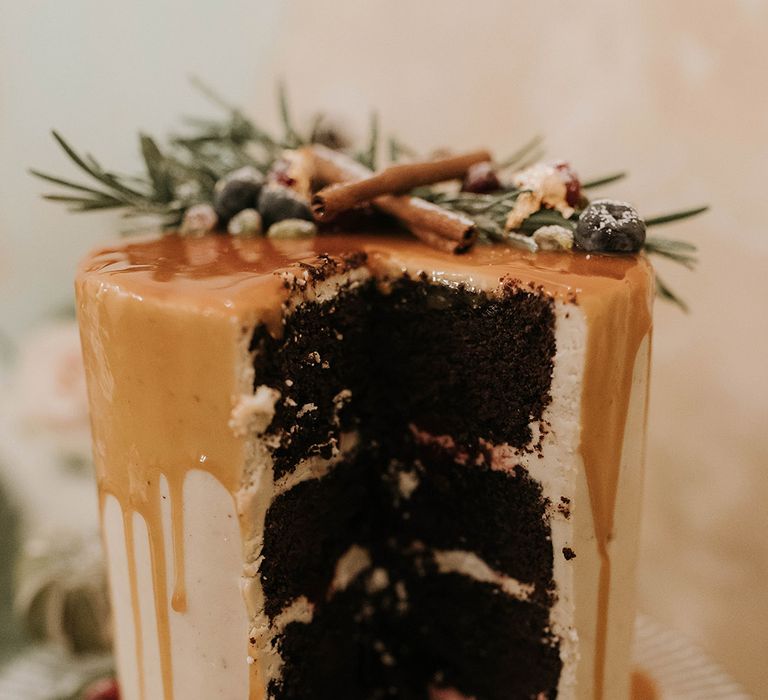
{"points": [[232, 176]]}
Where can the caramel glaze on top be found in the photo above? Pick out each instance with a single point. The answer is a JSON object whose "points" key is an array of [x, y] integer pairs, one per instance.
{"points": [[244, 281]]}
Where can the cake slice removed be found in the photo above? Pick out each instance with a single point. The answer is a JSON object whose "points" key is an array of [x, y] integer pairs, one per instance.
{"points": [[357, 467]]}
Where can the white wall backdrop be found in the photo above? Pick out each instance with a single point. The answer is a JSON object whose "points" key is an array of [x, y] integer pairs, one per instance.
{"points": [[673, 92], [98, 72]]}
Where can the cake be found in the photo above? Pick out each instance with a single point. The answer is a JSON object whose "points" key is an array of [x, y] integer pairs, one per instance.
{"points": [[364, 432], [354, 466]]}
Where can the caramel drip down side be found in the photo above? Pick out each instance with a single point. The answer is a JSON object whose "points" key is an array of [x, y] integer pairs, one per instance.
{"points": [[130, 547], [617, 324], [161, 382], [176, 495]]}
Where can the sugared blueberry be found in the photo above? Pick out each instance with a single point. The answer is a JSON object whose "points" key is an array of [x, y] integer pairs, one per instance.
{"points": [[608, 226], [277, 203], [236, 191], [481, 178]]}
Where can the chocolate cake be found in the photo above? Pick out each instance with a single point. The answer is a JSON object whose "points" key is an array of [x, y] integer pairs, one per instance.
{"points": [[354, 466]]}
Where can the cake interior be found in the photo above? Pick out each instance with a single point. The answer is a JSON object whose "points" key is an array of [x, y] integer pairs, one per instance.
{"points": [[410, 564]]}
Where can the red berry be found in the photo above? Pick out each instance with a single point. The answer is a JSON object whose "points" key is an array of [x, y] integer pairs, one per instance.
{"points": [[104, 689], [480, 179], [278, 173], [572, 182]]}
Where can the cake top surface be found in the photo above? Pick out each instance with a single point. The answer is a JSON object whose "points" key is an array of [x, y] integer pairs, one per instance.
{"points": [[237, 275]]}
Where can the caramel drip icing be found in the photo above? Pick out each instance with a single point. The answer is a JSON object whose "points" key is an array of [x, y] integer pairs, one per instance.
{"points": [[130, 544], [642, 686], [163, 323], [617, 325]]}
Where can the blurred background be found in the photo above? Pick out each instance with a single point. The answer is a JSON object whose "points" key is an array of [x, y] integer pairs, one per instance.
{"points": [[672, 92]]}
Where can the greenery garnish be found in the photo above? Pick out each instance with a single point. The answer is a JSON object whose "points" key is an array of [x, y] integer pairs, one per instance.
{"points": [[602, 181], [664, 292], [675, 216], [184, 171]]}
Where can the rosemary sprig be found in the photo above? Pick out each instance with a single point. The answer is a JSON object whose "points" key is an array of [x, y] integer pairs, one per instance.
{"points": [[675, 216], [522, 153], [678, 251], [369, 157], [601, 181], [399, 150], [291, 137], [663, 291]]}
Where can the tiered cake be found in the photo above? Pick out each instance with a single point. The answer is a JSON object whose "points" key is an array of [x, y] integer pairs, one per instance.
{"points": [[356, 467]]}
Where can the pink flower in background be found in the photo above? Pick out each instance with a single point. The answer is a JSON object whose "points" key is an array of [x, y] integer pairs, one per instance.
{"points": [[50, 380], [44, 409]]}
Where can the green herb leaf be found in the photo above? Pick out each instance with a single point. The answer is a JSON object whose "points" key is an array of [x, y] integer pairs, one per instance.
{"points": [[523, 152], [680, 252], [664, 292], [369, 156], [398, 150], [291, 138], [675, 216], [601, 181], [157, 168]]}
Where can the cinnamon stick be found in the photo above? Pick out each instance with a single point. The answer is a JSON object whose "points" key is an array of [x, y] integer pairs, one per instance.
{"points": [[434, 225], [333, 200], [418, 214]]}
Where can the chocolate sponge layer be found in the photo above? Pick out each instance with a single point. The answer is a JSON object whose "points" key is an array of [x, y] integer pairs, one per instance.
{"points": [[416, 357]]}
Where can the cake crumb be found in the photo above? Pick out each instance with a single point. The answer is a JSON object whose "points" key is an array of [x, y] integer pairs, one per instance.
{"points": [[254, 412], [407, 483], [378, 580], [306, 408]]}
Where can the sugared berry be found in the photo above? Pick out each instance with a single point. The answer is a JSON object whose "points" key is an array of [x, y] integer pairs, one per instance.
{"points": [[572, 182], [199, 220], [480, 179], [553, 237], [246, 223], [292, 228], [608, 226], [237, 191], [277, 203]]}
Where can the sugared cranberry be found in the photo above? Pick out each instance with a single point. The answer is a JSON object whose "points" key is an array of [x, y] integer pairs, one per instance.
{"points": [[104, 689], [279, 173], [480, 179], [572, 182]]}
